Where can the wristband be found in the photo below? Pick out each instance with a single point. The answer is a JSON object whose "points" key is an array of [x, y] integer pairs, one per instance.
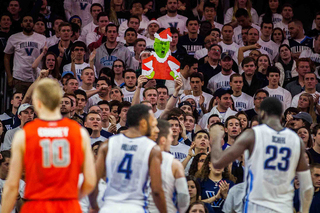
{"points": [[174, 96]]}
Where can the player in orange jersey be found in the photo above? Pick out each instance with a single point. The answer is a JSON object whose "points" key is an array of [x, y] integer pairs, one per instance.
{"points": [[53, 150]]}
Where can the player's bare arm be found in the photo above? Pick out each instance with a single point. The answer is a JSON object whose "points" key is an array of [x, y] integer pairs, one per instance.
{"points": [[221, 159], [155, 160], [11, 187], [89, 173], [100, 171]]}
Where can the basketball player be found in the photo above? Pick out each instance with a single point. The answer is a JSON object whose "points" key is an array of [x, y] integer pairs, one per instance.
{"points": [[172, 173], [273, 157], [127, 160], [53, 151]]}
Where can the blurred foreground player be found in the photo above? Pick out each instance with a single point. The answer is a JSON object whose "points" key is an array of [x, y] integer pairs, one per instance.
{"points": [[54, 151], [127, 160], [274, 155]]}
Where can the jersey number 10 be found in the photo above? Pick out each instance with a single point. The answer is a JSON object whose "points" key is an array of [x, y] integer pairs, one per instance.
{"points": [[55, 153]]}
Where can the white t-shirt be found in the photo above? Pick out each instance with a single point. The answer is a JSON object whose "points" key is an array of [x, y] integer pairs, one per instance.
{"points": [[207, 99], [232, 49], [180, 151], [243, 102], [79, 68], [271, 47], [134, 63], [90, 101], [124, 25], [295, 99], [25, 49], [92, 37], [219, 81], [128, 96], [101, 138], [229, 14], [85, 30], [179, 22], [237, 37], [201, 53], [282, 95]]}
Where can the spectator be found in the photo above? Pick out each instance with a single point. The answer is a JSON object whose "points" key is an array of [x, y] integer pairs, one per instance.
{"points": [[227, 43], [278, 36], [130, 81], [234, 201], [177, 51], [242, 101], [212, 67], [302, 119], [82, 9], [111, 50], [62, 49], [130, 36], [25, 114], [187, 67], [136, 9], [243, 117], [286, 65], [222, 109], [265, 40], [231, 15], [305, 135], [233, 130], [7, 118], [122, 111], [40, 27], [117, 12], [306, 104], [118, 69], [5, 33], [94, 38], [172, 18], [274, 90], [139, 45], [78, 51], [153, 27], [298, 41], [163, 96], [310, 81], [95, 9], [251, 83], [93, 121], [209, 14], [66, 106], [177, 149], [82, 100], [215, 184], [14, 9], [304, 65], [71, 85], [315, 204], [208, 41], [108, 121], [22, 74], [258, 97], [287, 14], [315, 150], [195, 167], [116, 94], [222, 79], [194, 187], [55, 38], [114, 104], [192, 41]]}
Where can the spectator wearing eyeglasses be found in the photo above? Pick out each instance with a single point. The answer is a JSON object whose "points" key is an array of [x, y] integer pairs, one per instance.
{"points": [[208, 41], [78, 50], [258, 97]]}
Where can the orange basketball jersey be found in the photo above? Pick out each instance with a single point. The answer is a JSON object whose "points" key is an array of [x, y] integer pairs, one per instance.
{"points": [[53, 159]]}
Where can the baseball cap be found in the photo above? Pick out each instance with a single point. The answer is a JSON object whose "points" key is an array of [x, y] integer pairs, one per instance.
{"points": [[304, 116], [153, 21], [220, 92], [225, 55], [185, 103], [66, 73], [23, 107]]}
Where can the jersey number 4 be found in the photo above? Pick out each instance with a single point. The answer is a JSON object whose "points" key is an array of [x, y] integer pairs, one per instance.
{"points": [[125, 166], [55, 153], [283, 163]]}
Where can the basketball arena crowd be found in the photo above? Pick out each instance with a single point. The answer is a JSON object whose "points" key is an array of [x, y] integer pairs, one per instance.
{"points": [[233, 54]]}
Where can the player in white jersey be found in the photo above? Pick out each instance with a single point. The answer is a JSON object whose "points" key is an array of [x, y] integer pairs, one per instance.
{"points": [[274, 155], [174, 183], [127, 160]]}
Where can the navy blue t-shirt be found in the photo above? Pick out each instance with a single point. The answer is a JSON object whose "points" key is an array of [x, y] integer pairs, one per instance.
{"points": [[210, 189], [315, 204]]}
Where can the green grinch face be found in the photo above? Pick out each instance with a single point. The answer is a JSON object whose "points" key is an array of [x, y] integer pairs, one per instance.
{"points": [[161, 47]]}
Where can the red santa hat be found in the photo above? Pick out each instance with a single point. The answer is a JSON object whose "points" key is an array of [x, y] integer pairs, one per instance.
{"points": [[165, 35]]}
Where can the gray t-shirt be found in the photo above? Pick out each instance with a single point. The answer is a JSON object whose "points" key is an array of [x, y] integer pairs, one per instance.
{"points": [[6, 145]]}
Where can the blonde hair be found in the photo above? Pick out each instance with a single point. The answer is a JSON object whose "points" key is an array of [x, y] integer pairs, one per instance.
{"points": [[49, 92], [236, 7], [113, 15]]}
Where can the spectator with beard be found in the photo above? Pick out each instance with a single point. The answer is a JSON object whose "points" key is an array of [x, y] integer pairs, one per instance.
{"points": [[25, 114], [65, 106], [22, 73], [130, 81]]}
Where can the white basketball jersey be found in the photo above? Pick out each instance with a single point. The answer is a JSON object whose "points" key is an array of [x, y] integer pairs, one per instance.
{"points": [[168, 181], [271, 169], [127, 170]]}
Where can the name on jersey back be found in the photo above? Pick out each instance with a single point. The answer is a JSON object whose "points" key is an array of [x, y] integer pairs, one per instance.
{"points": [[53, 132], [280, 140]]}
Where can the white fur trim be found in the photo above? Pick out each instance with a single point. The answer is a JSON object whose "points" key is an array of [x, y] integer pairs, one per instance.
{"points": [[156, 35]]}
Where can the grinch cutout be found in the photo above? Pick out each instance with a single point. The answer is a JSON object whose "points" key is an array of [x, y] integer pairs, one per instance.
{"points": [[161, 65]]}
